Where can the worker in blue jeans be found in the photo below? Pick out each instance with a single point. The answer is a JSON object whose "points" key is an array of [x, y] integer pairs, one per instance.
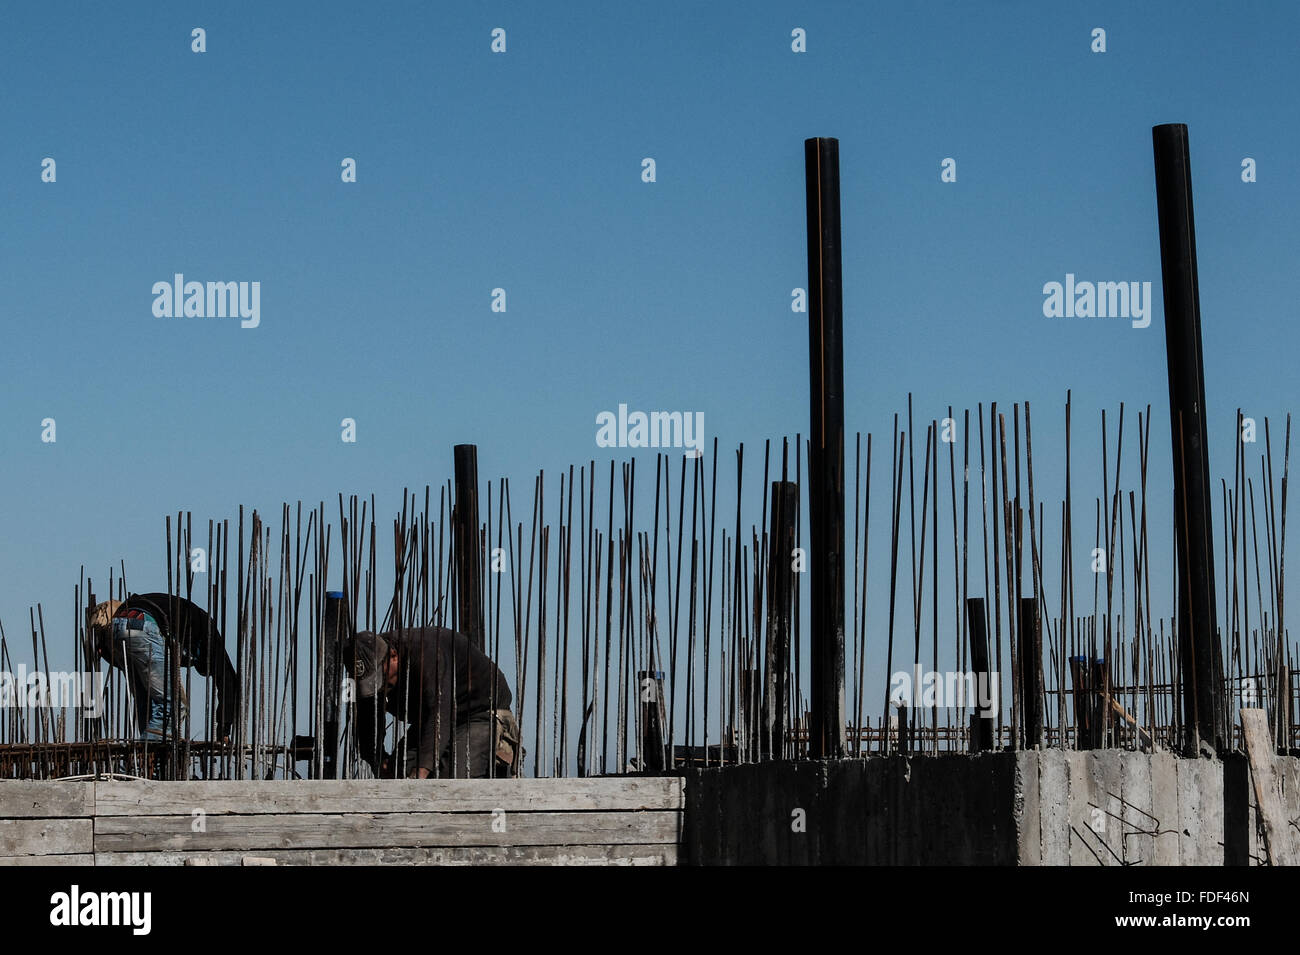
{"points": [[147, 661], [151, 638]]}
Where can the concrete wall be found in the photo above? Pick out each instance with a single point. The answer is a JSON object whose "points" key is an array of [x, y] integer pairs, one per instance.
{"points": [[627, 821], [1035, 808], [1113, 808], [945, 810], [1029, 808]]}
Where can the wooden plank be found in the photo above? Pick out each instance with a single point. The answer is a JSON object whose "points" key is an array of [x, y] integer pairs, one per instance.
{"points": [[1108, 765], [1209, 781], [1083, 798], [1268, 788], [39, 799], [39, 837], [337, 830], [622, 855], [1028, 812], [1258, 854], [1189, 830], [77, 859], [1053, 800], [1291, 790], [1200, 812], [378, 796], [1137, 845], [1164, 806]]}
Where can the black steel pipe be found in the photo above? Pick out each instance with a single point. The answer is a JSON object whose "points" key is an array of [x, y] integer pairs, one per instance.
{"points": [[826, 437], [780, 610], [337, 632], [1198, 637], [469, 571], [986, 681], [1030, 661]]}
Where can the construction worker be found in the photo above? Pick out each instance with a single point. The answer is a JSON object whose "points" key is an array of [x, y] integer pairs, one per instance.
{"points": [[453, 697], [145, 637]]}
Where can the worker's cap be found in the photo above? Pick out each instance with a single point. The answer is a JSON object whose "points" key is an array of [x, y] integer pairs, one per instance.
{"points": [[366, 656], [99, 616]]}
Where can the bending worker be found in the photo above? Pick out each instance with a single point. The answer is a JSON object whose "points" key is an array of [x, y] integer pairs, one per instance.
{"points": [[453, 697], [149, 634]]}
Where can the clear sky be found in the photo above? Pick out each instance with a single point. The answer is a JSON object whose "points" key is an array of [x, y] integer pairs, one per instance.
{"points": [[522, 171]]}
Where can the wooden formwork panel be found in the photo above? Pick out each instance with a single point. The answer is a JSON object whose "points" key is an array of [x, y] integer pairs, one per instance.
{"points": [[248, 797], [618, 821], [660, 854], [349, 830], [21, 798], [45, 837]]}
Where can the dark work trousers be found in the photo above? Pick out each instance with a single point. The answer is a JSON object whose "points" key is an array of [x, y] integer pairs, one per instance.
{"points": [[469, 754]]}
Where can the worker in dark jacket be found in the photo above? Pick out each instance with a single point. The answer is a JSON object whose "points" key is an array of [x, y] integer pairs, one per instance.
{"points": [[453, 697], [149, 633]]}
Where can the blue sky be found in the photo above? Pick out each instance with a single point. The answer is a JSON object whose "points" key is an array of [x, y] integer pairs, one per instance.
{"points": [[522, 171]]}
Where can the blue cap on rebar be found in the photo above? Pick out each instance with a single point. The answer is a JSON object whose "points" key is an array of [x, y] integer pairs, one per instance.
{"points": [[334, 594]]}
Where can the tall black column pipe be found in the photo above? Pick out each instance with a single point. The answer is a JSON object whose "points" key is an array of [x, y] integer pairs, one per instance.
{"points": [[826, 437], [469, 569], [1198, 636]]}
